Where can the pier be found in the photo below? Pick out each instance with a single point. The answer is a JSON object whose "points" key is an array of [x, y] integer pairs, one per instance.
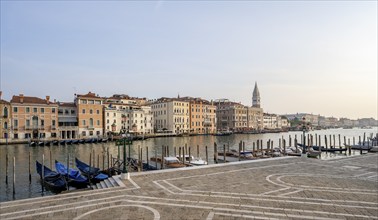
{"points": [[278, 188]]}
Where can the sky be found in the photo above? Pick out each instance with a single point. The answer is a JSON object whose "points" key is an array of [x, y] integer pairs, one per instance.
{"points": [[315, 57]]}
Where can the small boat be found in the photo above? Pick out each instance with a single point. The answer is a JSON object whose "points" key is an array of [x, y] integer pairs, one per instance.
{"points": [[32, 144], [68, 141], [53, 180], [74, 178], [89, 140], [173, 162], [92, 172], [41, 143], [47, 143], [193, 160], [55, 142], [62, 142], [324, 149], [104, 140], [82, 141], [75, 141], [313, 153]]}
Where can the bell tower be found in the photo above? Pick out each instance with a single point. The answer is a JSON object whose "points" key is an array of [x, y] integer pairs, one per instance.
{"points": [[256, 97]]}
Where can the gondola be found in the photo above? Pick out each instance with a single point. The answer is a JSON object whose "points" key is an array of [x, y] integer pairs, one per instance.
{"points": [[62, 142], [74, 178], [68, 142], [324, 149], [89, 140], [32, 144], [52, 180], [82, 141], [94, 173], [75, 141], [55, 142]]}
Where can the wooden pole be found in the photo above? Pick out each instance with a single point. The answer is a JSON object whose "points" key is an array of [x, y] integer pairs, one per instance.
{"points": [[156, 158], [339, 141], [103, 161], [14, 176], [243, 146], [190, 159], [140, 159], [29, 167], [148, 163], [6, 168], [198, 154], [325, 141], [50, 160], [239, 150], [289, 140], [316, 139], [284, 147], [43, 172], [207, 155], [224, 153], [162, 158], [354, 141], [175, 152], [215, 153]]}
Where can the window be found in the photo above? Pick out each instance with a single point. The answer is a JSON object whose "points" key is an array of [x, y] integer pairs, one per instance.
{"points": [[107, 121], [35, 110], [97, 133], [83, 101], [90, 102], [83, 111], [98, 122], [27, 123], [53, 110], [5, 112], [91, 122], [98, 102], [53, 123], [66, 112], [98, 112], [42, 122], [27, 109], [42, 110], [83, 133], [15, 122], [90, 133], [90, 111], [114, 114], [83, 122], [15, 109], [73, 112]]}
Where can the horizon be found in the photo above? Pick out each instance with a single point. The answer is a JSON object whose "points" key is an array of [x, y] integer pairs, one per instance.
{"points": [[316, 57]]}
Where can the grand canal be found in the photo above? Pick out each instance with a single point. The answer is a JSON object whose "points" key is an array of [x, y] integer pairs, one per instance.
{"points": [[24, 189]]}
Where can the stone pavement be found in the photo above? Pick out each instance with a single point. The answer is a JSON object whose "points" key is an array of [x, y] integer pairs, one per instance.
{"points": [[279, 188]]}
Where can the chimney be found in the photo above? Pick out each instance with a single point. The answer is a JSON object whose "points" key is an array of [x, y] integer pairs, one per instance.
{"points": [[21, 98], [47, 99]]}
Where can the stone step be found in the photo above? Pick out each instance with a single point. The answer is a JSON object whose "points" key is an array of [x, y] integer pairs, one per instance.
{"points": [[118, 180], [98, 186], [112, 180], [103, 185], [108, 183]]}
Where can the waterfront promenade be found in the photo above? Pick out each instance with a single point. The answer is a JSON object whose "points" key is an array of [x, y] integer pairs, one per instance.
{"points": [[279, 188]]}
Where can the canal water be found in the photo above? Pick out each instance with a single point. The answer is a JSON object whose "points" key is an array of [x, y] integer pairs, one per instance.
{"points": [[24, 189]]}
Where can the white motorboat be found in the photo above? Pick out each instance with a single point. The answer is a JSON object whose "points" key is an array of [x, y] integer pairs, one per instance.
{"points": [[193, 160]]}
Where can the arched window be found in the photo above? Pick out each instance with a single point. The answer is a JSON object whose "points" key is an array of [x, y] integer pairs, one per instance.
{"points": [[91, 122], [5, 112]]}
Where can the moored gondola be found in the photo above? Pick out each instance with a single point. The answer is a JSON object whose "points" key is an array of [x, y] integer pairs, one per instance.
{"points": [[92, 172], [52, 180], [74, 178]]}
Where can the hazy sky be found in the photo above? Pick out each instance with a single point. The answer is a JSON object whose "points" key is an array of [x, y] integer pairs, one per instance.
{"points": [[307, 56]]}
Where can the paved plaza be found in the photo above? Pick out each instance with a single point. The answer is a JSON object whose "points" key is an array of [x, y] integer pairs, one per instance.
{"points": [[279, 188]]}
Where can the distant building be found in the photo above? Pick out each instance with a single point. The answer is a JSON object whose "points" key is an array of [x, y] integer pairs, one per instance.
{"points": [[90, 115], [67, 118], [33, 117], [202, 115], [5, 118], [171, 115]]}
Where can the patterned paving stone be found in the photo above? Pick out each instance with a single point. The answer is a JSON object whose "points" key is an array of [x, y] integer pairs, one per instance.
{"points": [[283, 188]]}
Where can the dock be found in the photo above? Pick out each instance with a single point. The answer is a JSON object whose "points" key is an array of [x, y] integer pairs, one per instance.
{"points": [[273, 188]]}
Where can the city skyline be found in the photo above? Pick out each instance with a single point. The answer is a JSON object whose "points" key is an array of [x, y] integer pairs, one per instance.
{"points": [[314, 57]]}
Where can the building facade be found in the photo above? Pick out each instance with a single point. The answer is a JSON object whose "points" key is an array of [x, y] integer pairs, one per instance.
{"points": [[171, 115], [202, 116], [67, 118], [90, 115], [5, 118], [33, 117]]}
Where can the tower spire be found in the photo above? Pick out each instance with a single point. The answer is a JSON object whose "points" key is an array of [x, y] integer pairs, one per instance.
{"points": [[256, 97]]}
